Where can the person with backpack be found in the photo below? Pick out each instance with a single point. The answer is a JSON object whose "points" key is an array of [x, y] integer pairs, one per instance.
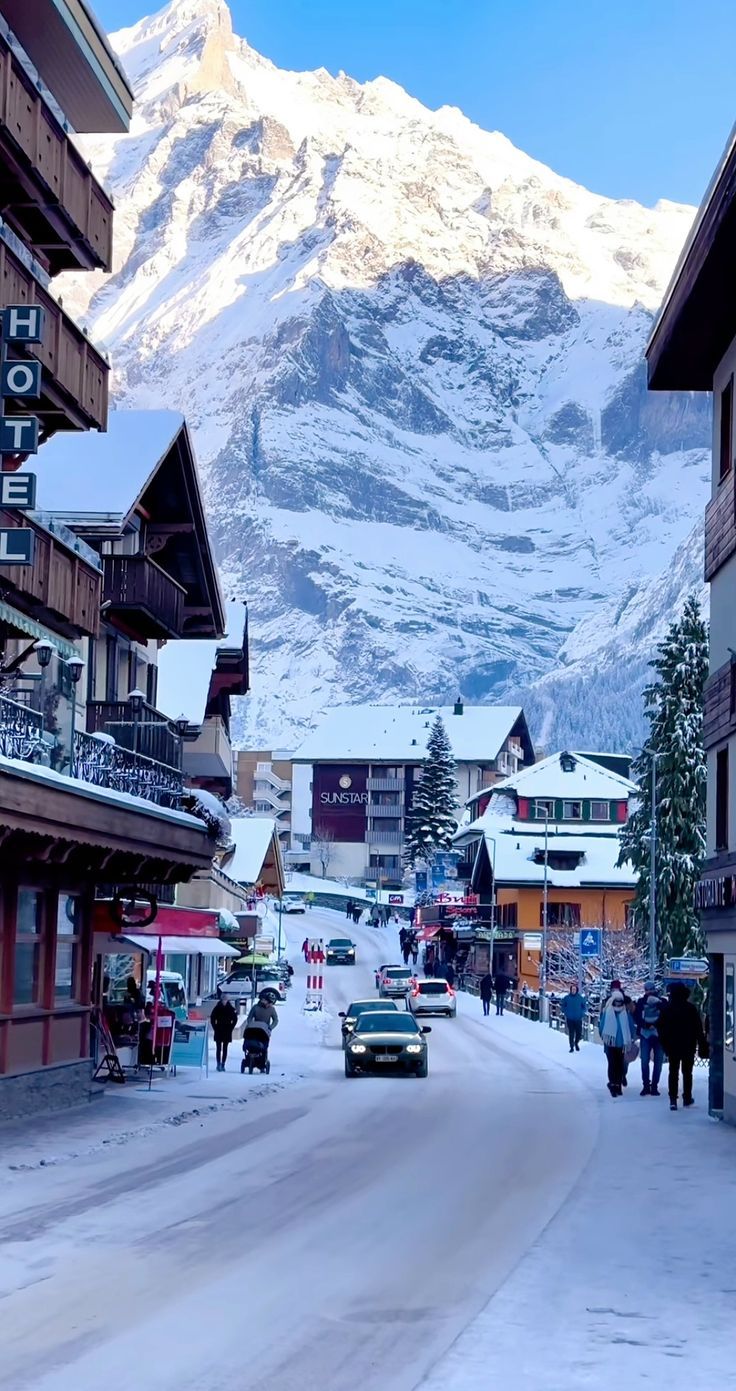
{"points": [[573, 1006], [647, 1015]]}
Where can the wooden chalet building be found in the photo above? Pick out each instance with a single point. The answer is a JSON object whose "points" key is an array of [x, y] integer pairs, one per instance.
{"points": [[693, 348], [91, 798]]}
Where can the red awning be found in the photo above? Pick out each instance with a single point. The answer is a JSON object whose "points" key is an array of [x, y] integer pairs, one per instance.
{"points": [[170, 921], [430, 930]]}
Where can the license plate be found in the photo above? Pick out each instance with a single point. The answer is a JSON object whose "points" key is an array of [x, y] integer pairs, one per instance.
{"points": [[387, 1058]]}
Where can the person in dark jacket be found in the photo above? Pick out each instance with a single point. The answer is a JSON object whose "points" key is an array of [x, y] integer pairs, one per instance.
{"points": [[223, 1020], [403, 934], [349, 908], [449, 973], [648, 1013], [573, 1006], [501, 983], [681, 1034], [486, 991]]}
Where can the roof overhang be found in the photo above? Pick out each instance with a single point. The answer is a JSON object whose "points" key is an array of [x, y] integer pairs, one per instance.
{"points": [[697, 320], [70, 50]]}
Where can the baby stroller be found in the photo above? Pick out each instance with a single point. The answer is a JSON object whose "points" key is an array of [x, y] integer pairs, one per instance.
{"points": [[256, 1039]]}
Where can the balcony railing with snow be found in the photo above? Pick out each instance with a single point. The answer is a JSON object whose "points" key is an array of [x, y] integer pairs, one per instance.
{"points": [[97, 758]]}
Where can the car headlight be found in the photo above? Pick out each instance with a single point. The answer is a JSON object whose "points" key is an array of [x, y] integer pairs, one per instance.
{"points": [[357, 1048], [413, 1047]]}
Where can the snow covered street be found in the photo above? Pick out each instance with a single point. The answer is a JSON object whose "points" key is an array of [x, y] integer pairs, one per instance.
{"points": [[504, 1220]]}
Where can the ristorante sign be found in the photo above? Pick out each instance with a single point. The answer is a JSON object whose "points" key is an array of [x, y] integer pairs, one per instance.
{"points": [[340, 801]]}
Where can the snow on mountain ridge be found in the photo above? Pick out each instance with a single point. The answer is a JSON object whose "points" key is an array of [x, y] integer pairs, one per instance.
{"points": [[411, 357]]}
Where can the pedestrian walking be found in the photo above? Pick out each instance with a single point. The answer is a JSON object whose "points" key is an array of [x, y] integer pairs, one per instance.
{"points": [[414, 947], [618, 1031], [405, 950], [305, 948], [682, 1036], [349, 908], [403, 934], [501, 983], [486, 991], [573, 1006], [647, 1014], [356, 914], [223, 1020], [449, 974]]}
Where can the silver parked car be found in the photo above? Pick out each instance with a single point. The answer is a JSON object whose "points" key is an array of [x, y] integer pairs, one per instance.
{"points": [[432, 997]]}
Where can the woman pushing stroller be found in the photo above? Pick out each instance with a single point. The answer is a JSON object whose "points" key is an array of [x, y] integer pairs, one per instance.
{"points": [[259, 1026]]}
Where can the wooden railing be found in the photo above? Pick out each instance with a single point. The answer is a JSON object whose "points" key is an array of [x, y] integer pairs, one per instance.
{"points": [[59, 584], [136, 584], [75, 379], [39, 158], [153, 734]]}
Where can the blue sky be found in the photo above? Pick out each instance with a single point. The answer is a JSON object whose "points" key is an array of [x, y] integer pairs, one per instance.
{"points": [[633, 98]]}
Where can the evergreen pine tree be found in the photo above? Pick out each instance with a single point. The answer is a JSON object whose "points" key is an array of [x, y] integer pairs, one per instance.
{"points": [[432, 821], [674, 708]]}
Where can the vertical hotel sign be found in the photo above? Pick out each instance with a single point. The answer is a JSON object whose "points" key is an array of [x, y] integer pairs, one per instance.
{"points": [[19, 380]]}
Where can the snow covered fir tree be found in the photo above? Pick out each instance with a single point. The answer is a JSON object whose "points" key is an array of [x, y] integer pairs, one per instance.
{"points": [[432, 822], [674, 708]]}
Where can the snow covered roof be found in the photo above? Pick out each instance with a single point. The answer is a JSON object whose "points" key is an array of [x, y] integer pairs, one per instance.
{"points": [[548, 778], [253, 838], [185, 669], [92, 473], [514, 850], [399, 733]]}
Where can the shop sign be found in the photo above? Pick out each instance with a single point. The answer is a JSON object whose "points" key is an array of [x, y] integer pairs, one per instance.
{"points": [[532, 941], [21, 379], [718, 891], [396, 899]]}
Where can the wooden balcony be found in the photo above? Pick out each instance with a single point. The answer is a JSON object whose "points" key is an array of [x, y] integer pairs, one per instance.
{"points": [[74, 387], [140, 593], [720, 526], [61, 589], [49, 195], [153, 735]]}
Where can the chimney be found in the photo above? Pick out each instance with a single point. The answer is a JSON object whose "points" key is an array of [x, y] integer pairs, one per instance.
{"points": [[459, 707]]}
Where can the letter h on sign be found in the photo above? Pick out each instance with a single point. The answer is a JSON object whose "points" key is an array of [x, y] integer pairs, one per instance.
{"points": [[23, 323]]}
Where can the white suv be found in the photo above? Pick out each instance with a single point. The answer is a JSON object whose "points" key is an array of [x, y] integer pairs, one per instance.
{"points": [[432, 997], [395, 981]]}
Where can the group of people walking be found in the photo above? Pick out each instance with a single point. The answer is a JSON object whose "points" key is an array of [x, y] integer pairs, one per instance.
{"points": [[653, 1028], [409, 943], [224, 1019], [378, 914], [498, 986]]}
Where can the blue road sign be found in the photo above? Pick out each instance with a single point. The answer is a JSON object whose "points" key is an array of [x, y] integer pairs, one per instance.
{"points": [[692, 967], [590, 941]]}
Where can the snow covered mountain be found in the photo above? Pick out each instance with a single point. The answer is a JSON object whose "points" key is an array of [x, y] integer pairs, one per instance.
{"points": [[412, 360]]}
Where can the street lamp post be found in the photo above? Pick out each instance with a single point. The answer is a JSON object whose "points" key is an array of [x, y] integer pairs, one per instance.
{"points": [[137, 699], [543, 973], [492, 839], [44, 651], [76, 667], [653, 871]]}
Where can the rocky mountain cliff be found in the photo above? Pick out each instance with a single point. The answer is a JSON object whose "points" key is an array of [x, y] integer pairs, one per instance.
{"points": [[411, 357]]}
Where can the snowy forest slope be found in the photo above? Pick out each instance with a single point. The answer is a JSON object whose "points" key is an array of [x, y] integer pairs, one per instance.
{"points": [[411, 357]]}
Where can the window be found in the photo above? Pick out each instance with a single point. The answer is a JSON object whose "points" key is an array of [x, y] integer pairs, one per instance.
{"points": [[728, 1030], [726, 450], [68, 930], [506, 915], [386, 823], [572, 811], [27, 947], [560, 915], [722, 799], [600, 811], [151, 683], [111, 670], [543, 807]]}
